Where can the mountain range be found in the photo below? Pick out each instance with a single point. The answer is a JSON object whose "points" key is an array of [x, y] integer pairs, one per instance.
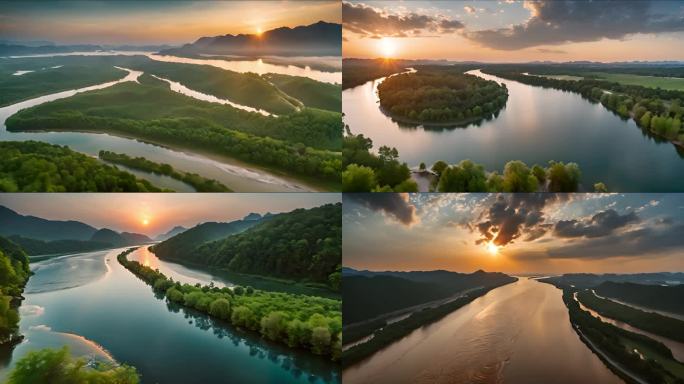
{"points": [[318, 39]]}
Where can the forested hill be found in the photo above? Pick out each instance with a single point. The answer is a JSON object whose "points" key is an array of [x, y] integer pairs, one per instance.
{"points": [[12, 223], [664, 298], [303, 245], [181, 247], [14, 272]]}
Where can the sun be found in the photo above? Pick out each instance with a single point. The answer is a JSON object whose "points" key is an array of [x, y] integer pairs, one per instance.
{"points": [[493, 249], [387, 47], [145, 221], [259, 31]]}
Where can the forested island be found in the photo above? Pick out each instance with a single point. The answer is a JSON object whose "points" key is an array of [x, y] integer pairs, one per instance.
{"points": [[657, 111], [299, 321], [201, 184], [440, 96], [365, 171], [31, 166], [628, 354]]}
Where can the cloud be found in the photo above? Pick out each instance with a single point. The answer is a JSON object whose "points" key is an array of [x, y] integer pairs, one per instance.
{"points": [[601, 224], [636, 242], [367, 21], [563, 21], [394, 205], [470, 9], [553, 51], [513, 216]]}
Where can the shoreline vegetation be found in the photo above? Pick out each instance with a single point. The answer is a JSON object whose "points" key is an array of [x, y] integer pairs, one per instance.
{"points": [[32, 166], [298, 321], [199, 183], [634, 357], [14, 274], [385, 334], [439, 96], [356, 72], [364, 171], [655, 110]]}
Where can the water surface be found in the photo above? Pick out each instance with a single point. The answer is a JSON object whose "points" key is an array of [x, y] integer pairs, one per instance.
{"points": [[535, 126]]}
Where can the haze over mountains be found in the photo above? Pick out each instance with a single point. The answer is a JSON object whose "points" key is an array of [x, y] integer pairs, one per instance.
{"points": [[318, 39]]}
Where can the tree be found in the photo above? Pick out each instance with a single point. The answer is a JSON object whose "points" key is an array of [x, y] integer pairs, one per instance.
{"points": [[645, 120], [273, 325], [600, 188], [220, 308], [466, 176], [174, 295], [517, 177], [439, 167], [539, 173], [358, 178], [320, 340], [563, 177], [422, 166]]}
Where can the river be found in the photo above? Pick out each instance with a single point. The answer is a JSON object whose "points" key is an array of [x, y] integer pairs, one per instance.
{"points": [[101, 310], [536, 125], [517, 333], [235, 174]]}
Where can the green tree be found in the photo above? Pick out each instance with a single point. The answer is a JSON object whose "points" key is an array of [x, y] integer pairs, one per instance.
{"points": [[220, 308], [600, 188], [466, 176], [563, 177], [439, 167], [517, 177], [320, 340], [358, 178], [273, 325]]}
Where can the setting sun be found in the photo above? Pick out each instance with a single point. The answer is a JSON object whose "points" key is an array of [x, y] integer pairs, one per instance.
{"points": [[387, 47], [259, 31], [492, 248], [145, 221]]}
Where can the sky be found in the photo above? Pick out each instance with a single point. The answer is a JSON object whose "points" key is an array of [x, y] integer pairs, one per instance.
{"points": [[514, 233], [514, 30], [153, 22], [128, 212]]}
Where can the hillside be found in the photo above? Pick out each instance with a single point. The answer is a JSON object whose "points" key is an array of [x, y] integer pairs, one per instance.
{"points": [[12, 223], [182, 246], [590, 280], [35, 247], [303, 245], [116, 239], [376, 293], [171, 233], [319, 39], [312, 93], [664, 298]]}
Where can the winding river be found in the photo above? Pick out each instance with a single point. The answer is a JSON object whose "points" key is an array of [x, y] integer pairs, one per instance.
{"points": [[536, 125], [102, 311], [517, 333], [235, 174]]}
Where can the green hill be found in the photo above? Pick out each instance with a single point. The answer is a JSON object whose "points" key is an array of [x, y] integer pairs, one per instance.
{"points": [[312, 93], [35, 247]]}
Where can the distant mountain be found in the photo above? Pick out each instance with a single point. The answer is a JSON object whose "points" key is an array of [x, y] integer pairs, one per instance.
{"points": [[664, 298], [12, 223], [14, 48], [123, 239], [173, 232], [181, 245], [367, 294], [319, 39], [35, 247], [252, 216], [590, 280], [302, 245]]}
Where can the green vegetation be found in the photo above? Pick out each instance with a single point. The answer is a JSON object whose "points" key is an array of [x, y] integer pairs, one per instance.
{"points": [[312, 93], [40, 247], [664, 298], [356, 72], [302, 143], [662, 82], [299, 321], [657, 364], [14, 273], [367, 172], [656, 110], [304, 245], [47, 80], [56, 366], [32, 166], [668, 327], [201, 184], [440, 96], [395, 331]]}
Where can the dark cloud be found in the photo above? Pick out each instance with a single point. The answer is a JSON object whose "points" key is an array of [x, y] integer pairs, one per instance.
{"points": [[601, 224], [513, 216], [636, 242], [395, 205], [370, 22], [563, 21]]}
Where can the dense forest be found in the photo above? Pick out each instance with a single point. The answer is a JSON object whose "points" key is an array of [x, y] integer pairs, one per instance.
{"points": [[41, 247], [303, 143], [656, 110], [201, 184], [653, 366], [365, 171], [58, 366], [299, 321], [664, 298], [356, 72], [312, 93], [31, 166], [440, 95], [14, 273], [668, 327], [303, 245]]}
